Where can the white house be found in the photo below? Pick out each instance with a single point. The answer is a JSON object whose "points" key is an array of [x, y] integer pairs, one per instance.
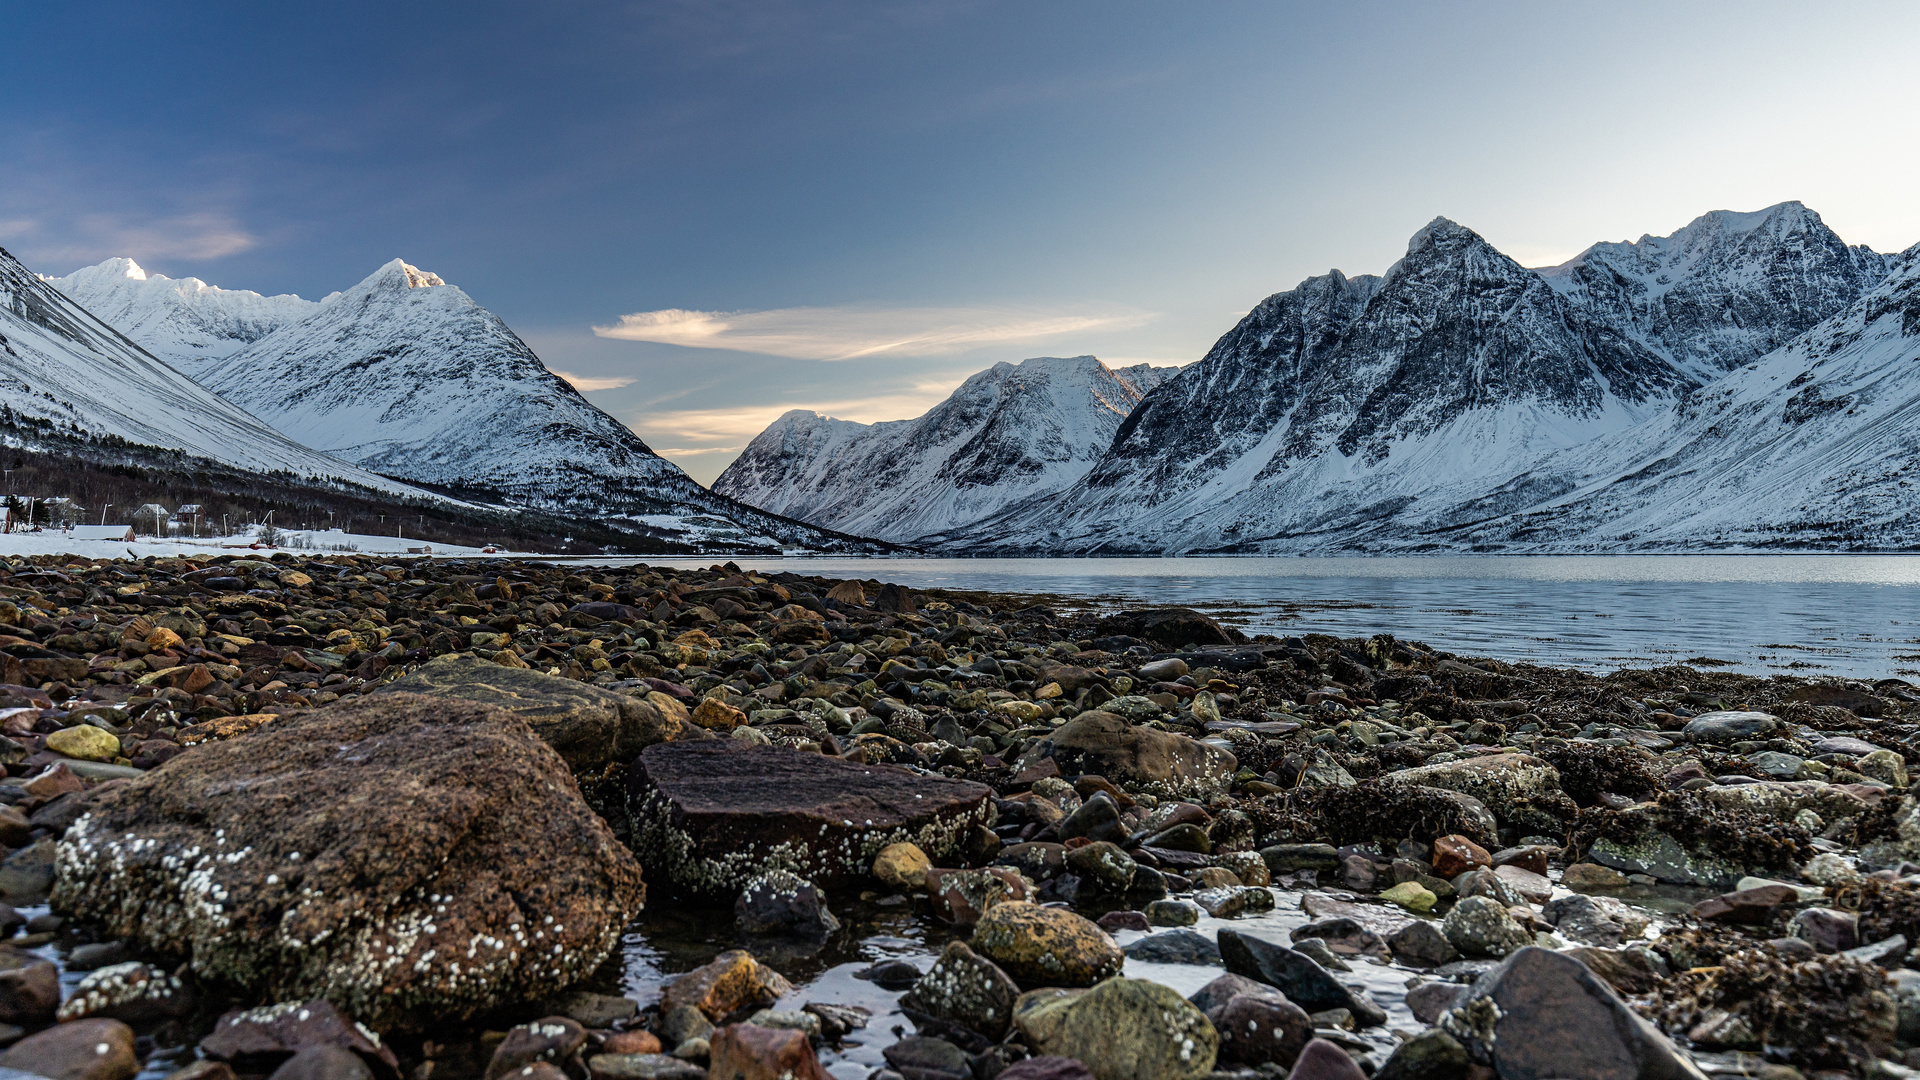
{"points": [[102, 532]]}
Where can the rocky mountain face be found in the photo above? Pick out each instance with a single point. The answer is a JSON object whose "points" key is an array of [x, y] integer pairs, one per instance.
{"points": [[1012, 432], [1346, 402], [1812, 447], [186, 322], [1636, 397], [65, 372], [408, 376], [1724, 291]]}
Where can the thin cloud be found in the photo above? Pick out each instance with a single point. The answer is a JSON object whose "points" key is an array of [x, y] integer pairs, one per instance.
{"points": [[738, 425], [848, 333], [588, 383]]}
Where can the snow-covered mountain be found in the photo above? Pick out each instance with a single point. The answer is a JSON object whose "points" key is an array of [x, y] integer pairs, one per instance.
{"points": [[186, 322], [67, 373], [408, 376], [1726, 289], [1008, 433], [1346, 402], [1815, 446]]}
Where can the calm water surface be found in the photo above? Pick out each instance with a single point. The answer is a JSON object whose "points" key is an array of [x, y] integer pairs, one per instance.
{"points": [[1853, 615]]}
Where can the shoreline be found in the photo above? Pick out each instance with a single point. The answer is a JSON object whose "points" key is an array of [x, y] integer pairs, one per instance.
{"points": [[1143, 768]]}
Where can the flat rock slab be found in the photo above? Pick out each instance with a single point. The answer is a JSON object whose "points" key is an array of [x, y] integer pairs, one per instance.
{"points": [[712, 815]]}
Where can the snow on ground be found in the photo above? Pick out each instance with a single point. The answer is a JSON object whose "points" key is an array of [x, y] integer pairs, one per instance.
{"points": [[303, 543]]}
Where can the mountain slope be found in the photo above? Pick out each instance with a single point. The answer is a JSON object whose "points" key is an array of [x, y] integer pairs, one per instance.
{"points": [[1726, 289], [185, 322], [1348, 402], [1813, 446], [1005, 434], [67, 373], [407, 375]]}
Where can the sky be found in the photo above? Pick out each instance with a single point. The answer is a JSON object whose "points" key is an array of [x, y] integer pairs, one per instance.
{"points": [[708, 213]]}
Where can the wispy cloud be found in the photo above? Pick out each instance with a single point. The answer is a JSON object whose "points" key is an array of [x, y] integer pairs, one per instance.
{"points": [[587, 383], [848, 333], [740, 424], [90, 237]]}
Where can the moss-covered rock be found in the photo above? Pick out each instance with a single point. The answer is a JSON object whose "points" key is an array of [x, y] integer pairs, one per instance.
{"points": [[1042, 946]]}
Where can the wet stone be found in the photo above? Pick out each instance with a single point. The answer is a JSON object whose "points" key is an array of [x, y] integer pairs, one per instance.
{"points": [[1304, 982], [257, 1040], [96, 1049], [1174, 947], [965, 988], [1046, 946], [779, 902]]}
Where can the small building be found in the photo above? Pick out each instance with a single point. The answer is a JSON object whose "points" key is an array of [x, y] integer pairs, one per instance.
{"points": [[152, 519], [102, 532]]}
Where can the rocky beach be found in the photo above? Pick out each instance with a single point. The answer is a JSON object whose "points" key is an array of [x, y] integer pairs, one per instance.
{"points": [[349, 817]]}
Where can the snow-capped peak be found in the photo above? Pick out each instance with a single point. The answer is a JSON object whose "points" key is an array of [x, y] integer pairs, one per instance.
{"points": [[1723, 290], [401, 274], [184, 321]]}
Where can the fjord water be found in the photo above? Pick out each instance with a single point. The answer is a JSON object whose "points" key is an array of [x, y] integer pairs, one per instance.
{"points": [[1851, 615]]}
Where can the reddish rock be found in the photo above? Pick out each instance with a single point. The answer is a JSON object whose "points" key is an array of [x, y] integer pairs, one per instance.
{"points": [[747, 1052], [82, 1050], [1753, 907], [631, 1042], [1455, 855], [258, 1040], [552, 1039], [961, 897], [1322, 1060]]}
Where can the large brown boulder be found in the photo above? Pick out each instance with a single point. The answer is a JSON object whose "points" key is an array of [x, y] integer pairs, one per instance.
{"points": [[714, 815], [1141, 757], [593, 728], [412, 859]]}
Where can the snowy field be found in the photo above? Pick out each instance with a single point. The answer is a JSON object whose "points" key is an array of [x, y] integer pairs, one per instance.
{"points": [[304, 543]]}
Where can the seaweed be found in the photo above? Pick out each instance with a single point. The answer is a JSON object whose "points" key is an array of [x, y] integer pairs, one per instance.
{"points": [[1885, 908], [1742, 837], [1823, 1011], [1587, 770], [1370, 810]]}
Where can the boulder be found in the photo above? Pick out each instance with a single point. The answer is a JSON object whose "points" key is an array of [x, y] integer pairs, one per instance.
{"points": [[1260, 1026], [258, 1040], [1455, 855], [1542, 1014], [1519, 789], [725, 985], [1594, 920], [902, 866], [330, 1063], [749, 1052], [1423, 944], [552, 1039], [711, 815], [1323, 1060], [1043, 946], [134, 992], [1046, 1067], [1169, 626], [1174, 947], [1431, 1055], [1754, 906], [29, 988], [778, 902], [1478, 926], [1160, 762], [414, 859], [1304, 982], [1122, 1029], [82, 1050], [967, 989], [594, 729], [1729, 727], [962, 896]]}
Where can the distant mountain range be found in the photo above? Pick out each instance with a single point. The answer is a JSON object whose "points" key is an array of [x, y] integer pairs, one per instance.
{"points": [[400, 378], [1746, 383], [1750, 382], [1011, 432]]}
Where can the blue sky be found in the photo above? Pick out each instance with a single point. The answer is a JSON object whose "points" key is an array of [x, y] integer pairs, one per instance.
{"points": [[850, 207]]}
